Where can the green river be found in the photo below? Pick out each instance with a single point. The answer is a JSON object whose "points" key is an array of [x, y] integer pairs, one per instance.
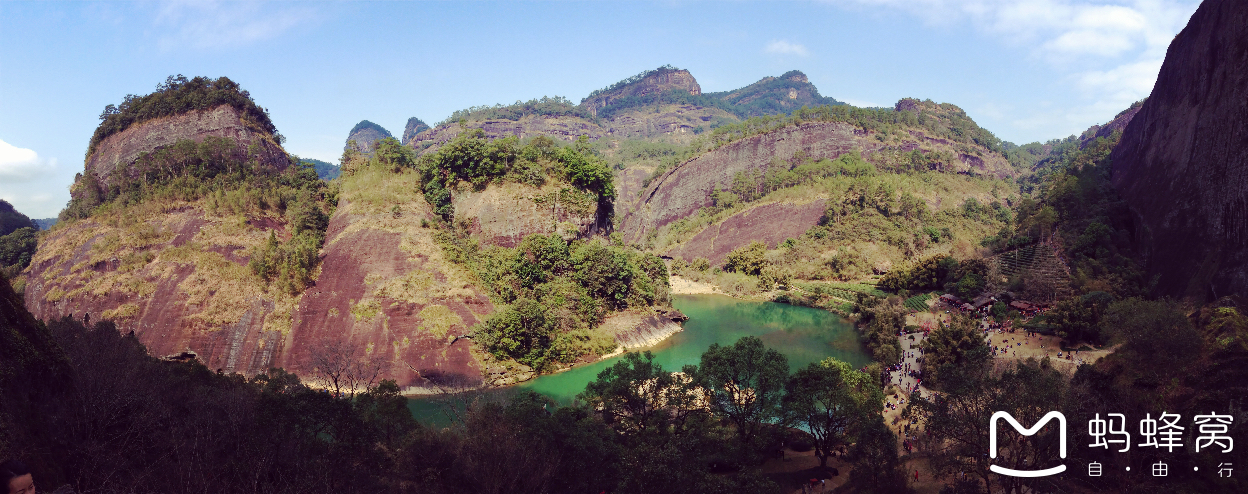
{"points": [[803, 334]]}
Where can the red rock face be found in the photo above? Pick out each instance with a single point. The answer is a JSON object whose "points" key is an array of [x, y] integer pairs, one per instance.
{"points": [[769, 223], [686, 189], [398, 334], [1182, 164], [223, 121], [72, 277]]}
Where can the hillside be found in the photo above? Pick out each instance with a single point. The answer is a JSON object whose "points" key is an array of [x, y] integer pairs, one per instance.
{"points": [[1182, 165], [195, 230], [775, 179]]}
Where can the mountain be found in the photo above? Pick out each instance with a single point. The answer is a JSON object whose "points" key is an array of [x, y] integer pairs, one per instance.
{"points": [[414, 126], [324, 170], [647, 83], [191, 228], [1182, 164], [364, 134], [773, 96], [11, 219], [722, 199], [45, 223]]}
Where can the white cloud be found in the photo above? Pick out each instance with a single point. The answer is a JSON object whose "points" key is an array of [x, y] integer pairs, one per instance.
{"points": [[208, 24], [782, 47], [1109, 50], [23, 165]]}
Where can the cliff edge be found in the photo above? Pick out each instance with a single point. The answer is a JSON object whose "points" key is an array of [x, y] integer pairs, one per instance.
{"points": [[1182, 164]]}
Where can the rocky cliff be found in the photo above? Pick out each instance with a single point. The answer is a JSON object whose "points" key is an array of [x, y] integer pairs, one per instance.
{"points": [[386, 296], [1182, 164], [124, 147], [414, 126], [646, 83], [364, 134]]}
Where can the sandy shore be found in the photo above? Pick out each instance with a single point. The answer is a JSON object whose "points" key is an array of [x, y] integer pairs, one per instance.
{"points": [[685, 286]]}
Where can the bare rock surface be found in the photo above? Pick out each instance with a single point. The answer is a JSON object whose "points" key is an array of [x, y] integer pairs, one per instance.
{"points": [[386, 294], [175, 286], [769, 223], [504, 214], [1182, 164]]}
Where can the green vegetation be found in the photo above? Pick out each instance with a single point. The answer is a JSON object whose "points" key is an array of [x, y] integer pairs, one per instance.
{"points": [[365, 124], [477, 161], [231, 182], [11, 219], [554, 293], [881, 321], [17, 240], [943, 121], [325, 171], [966, 278], [955, 347], [834, 402], [179, 95], [546, 106], [16, 250]]}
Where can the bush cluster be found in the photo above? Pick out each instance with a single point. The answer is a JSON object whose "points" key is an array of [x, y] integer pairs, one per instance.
{"points": [[476, 160], [554, 292]]}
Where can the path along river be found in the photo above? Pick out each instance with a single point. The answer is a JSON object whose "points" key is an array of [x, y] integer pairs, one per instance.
{"points": [[803, 334]]}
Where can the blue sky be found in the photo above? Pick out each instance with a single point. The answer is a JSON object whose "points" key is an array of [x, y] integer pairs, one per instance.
{"points": [[1027, 70]]}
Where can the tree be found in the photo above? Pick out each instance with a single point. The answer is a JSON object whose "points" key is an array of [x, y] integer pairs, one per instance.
{"points": [[344, 370], [833, 401], [957, 345], [745, 383], [875, 459], [637, 396], [956, 421], [748, 259]]}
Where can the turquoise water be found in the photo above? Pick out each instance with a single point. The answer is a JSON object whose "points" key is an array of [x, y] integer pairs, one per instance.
{"points": [[802, 334]]}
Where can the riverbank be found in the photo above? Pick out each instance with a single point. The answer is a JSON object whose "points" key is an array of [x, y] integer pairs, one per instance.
{"points": [[686, 286]]}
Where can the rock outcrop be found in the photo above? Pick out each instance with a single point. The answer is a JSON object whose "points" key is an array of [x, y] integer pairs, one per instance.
{"points": [[1182, 164], [660, 80], [414, 126], [562, 127], [122, 148], [365, 134]]}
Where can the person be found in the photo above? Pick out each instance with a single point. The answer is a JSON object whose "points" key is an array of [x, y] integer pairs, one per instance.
{"points": [[16, 477]]}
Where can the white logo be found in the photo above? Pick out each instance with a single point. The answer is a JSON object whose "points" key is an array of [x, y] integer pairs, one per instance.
{"points": [[992, 442]]}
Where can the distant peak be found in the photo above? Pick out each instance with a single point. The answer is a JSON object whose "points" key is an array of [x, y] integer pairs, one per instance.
{"points": [[659, 80], [795, 76], [365, 124]]}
